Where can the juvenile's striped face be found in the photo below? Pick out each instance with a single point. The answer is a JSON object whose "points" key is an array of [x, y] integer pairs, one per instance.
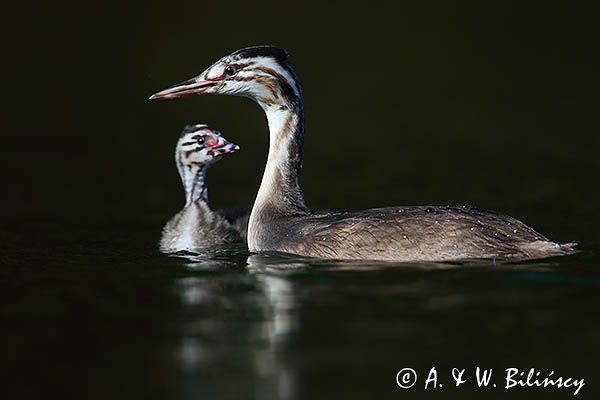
{"points": [[261, 73], [200, 145]]}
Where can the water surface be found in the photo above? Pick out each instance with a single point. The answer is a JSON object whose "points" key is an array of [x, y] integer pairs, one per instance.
{"points": [[114, 318]]}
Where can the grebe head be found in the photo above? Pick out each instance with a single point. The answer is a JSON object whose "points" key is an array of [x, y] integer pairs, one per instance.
{"points": [[261, 73], [200, 145]]}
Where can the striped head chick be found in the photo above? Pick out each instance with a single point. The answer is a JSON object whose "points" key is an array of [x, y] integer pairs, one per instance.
{"points": [[198, 147], [261, 73]]}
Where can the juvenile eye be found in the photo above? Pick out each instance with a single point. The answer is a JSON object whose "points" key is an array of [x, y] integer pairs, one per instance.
{"points": [[198, 138], [230, 70]]}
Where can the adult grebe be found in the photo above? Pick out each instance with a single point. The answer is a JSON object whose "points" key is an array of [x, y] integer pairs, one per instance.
{"points": [[280, 220], [196, 226]]}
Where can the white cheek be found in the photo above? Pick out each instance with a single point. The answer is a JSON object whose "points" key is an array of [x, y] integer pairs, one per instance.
{"points": [[262, 94], [254, 89], [237, 88], [198, 158], [245, 74], [272, 64]]}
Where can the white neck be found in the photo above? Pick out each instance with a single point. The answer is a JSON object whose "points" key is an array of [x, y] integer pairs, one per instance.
{"points": [[279, 194], [193, 179]]}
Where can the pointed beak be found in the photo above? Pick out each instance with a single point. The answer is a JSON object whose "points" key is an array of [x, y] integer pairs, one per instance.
{"points": [[223, 147], [192, 86]]}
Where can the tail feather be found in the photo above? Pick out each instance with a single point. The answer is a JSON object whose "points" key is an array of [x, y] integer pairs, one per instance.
{"points": [[543, 248], [569, 247]]}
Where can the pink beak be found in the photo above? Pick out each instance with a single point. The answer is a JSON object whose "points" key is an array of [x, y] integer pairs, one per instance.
{"points": [[222, 147], [191, 86]]}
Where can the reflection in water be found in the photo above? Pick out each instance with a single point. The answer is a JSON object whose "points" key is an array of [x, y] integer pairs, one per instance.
{"points": [[247, 326], [241, 323], [279, 292], [278, 263]]}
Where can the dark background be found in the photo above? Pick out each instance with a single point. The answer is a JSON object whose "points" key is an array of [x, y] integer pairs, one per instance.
{"points": [[480, 103], [489, 104]]}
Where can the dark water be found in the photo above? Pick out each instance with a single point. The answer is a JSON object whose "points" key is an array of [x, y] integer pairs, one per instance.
{"points": [[104, 318], [493, 106]]}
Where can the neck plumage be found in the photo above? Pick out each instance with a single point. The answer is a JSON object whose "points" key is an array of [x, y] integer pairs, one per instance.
{"points": [[280, 192], [194, 178]]}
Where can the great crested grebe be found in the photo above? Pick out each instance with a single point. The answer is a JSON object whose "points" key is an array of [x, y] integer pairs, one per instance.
{"points": [[280, 220], [196, 226]]}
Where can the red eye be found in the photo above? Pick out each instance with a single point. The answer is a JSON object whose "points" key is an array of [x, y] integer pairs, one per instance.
{"points": [[230, 70]]}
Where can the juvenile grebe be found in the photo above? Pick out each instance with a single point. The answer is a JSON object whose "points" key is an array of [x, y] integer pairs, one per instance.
{"points": [[196, 226], [280, 220]]}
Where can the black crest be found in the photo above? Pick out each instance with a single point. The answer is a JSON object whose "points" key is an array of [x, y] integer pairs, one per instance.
{"points": [[277, 53]]}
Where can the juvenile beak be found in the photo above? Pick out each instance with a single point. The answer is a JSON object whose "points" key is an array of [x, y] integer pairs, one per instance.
{"points": [[222, 148], [192, 86]]}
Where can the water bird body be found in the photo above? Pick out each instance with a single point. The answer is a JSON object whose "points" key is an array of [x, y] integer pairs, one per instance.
{"points": [[196, 226], [281, 221]]}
